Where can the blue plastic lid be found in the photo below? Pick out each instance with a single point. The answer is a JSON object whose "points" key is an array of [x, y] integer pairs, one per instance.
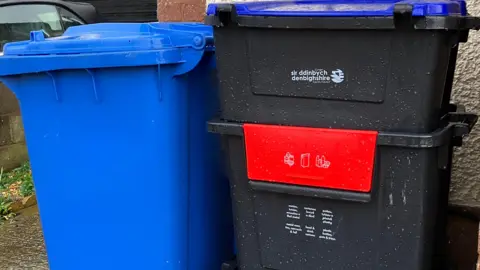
{"points": [[114, 37], [107, 45], [346, 8]]}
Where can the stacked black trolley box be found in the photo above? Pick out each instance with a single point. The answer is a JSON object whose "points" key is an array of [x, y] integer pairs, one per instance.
{"points": [[339, 131]]}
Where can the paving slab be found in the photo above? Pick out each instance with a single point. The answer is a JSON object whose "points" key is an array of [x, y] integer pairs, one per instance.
{"points": [[21, 243]]}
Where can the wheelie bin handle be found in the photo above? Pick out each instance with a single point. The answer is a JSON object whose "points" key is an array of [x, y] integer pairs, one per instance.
{"points": [[471, 23]]}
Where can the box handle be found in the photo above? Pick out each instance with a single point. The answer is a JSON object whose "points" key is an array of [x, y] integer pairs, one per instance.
{"points": [[463, 124], [460, 125], [226, 14], [311, 191], [471, 23]]}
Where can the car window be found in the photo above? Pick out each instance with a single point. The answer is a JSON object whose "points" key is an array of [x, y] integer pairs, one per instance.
{"points": [[69, 19], [17, 21]]}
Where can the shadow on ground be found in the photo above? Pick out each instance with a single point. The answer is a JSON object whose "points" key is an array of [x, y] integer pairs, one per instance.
{"points": [[21, 243]]}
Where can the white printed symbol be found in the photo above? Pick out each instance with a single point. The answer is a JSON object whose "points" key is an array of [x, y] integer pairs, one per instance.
{"points": [[289, 159], [310, 212], [310, 231], [322, 162], [327, 217], [327, 235], [305, 160], [293, 212], [337, 76], [293, 228]]}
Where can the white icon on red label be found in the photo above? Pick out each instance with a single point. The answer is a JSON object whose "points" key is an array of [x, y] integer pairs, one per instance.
{"points": [[322, 162], [289, 159], [305, 160]]}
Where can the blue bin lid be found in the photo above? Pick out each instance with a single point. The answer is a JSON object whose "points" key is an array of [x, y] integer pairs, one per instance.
{"points": [[346, 8], [107, 45]]}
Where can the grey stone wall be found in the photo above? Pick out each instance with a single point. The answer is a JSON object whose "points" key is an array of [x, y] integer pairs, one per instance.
{"points": [[12, 143], [466, 175]]}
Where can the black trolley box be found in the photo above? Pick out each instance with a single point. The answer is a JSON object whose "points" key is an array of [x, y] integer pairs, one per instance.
{"points": [[373, 65], [314, 198]]}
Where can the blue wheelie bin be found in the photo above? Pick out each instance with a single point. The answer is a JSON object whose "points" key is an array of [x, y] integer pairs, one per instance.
{"points": [[125, 173]]}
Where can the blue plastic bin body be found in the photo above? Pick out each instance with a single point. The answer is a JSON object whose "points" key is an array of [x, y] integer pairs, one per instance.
{"points": [[126, 175]]}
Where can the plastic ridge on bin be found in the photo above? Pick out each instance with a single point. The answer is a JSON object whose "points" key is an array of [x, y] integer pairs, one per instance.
{"points": [[460, 125]]}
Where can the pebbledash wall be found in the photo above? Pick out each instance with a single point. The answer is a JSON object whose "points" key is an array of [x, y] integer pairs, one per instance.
{"points": [[466, 175]]}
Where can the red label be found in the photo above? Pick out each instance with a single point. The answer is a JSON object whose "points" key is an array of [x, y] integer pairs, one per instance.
{"points": [[316, 157]]}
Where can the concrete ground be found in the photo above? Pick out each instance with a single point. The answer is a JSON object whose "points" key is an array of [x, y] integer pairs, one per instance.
{"points": [[22, 246], [21, 243]]}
